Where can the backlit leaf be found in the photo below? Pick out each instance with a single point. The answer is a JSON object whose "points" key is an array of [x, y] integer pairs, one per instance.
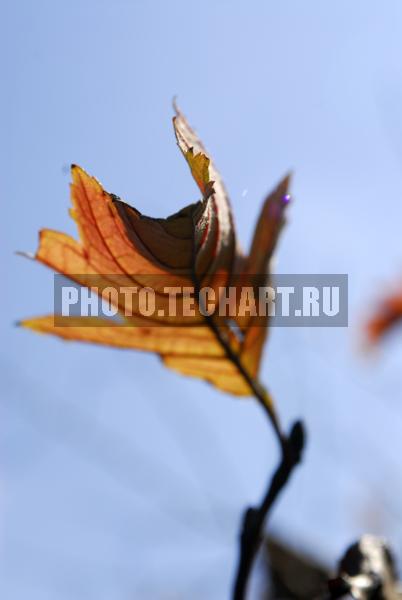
{"points": [[196, 246]]}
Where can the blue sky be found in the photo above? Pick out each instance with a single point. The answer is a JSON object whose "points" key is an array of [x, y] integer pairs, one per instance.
{"points": [[120, 479]]}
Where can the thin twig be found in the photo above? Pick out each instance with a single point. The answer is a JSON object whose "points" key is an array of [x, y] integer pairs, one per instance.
{"points": [[254, 518], [254, 385], [291, 448]]}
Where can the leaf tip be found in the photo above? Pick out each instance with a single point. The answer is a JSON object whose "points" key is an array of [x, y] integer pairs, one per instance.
{"points": [[25, 254], [175, 106]]}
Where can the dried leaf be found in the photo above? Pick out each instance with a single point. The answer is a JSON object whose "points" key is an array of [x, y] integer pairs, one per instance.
{"points": [[196, 246]]}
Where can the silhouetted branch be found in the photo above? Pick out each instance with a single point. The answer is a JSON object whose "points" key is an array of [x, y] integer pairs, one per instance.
{"points": [[254, 518], [291, 448]]}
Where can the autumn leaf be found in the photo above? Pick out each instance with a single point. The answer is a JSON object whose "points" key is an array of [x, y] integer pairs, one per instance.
{"points": [[195, 246], [387, 315]]}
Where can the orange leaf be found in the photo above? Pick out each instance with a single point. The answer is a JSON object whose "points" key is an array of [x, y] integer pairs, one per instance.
{"points": [[169, 341], [193, 247], [387, 316]]}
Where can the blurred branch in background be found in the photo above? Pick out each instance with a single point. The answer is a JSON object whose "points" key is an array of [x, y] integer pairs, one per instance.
{"points": [[291, 574]]}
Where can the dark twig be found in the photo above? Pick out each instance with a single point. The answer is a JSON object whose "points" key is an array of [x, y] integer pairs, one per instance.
{"points": [[254, 518], [254, 385], [291, 448]]}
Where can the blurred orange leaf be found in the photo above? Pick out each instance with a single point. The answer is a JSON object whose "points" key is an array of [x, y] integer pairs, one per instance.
{"points": [[387, 315]]}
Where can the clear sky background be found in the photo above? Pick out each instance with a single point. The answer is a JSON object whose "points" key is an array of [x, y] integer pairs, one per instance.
{"points": [[119, 478]]}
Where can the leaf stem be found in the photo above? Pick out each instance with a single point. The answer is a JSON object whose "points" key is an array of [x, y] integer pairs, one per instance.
{"points": [[254, 385]]}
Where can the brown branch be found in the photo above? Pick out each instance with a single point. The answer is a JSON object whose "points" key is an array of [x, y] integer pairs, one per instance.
{"points": [[291, 448], [254, 385]]}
